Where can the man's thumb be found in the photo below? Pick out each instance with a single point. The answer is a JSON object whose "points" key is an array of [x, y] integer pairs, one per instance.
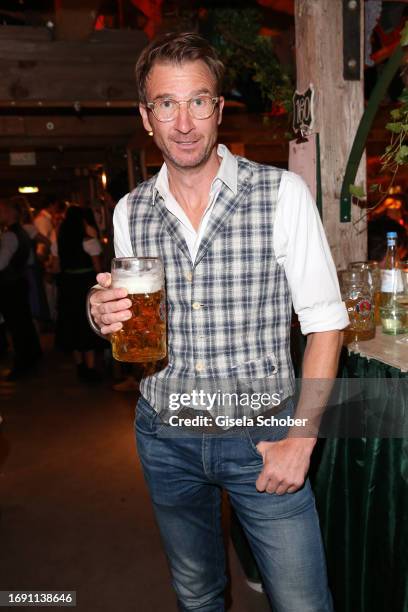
{"points": [[104, 279]]}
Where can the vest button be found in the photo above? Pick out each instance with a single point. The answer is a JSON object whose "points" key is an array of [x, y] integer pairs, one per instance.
{"points": [[189, 277], [200, 366], [196, 305]]}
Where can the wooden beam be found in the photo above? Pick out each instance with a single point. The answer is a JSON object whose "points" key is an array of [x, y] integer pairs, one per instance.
{"points": [[54, 127], [100, 69], [62, 159], [29, 143], [339, 104]]}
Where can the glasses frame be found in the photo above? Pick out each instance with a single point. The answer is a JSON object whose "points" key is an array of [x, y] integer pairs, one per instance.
{"points": [[214, 100]]}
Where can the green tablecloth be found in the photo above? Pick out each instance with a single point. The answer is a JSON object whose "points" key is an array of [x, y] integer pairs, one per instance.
{"points": [[361, 488]]}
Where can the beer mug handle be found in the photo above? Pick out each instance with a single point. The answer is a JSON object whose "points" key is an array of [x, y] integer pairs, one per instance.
{"points": [[91, 322]]}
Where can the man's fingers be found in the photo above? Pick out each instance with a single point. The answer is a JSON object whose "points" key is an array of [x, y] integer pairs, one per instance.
{"points": [[111, 329], [104, 279], [115, 317], [117, 306], [101, 296], [265, 479]]}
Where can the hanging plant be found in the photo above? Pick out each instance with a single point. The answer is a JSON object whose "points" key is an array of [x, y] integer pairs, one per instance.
{"points": [[253, 69], [396, 153]]}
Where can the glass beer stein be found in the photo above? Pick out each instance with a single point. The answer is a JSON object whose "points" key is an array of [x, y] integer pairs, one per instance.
{"points": [[357, 295], [143, 336]]}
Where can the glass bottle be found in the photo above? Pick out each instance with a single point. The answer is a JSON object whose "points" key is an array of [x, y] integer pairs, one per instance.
{"points": [[391, 278]]}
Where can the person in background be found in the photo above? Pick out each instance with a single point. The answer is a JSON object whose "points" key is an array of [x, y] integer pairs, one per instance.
{"points": [[35, 275], [15, 246], [78, 250], [45, 222]]}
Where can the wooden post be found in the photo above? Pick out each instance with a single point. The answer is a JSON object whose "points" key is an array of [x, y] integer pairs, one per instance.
{"points": [[339, 105]]}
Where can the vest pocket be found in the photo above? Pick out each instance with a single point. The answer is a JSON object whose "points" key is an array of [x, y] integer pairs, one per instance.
{"points": [[257, 368]]}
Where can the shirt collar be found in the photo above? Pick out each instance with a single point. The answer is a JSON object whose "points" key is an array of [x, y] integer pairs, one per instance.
{"points": [[227, 174]]}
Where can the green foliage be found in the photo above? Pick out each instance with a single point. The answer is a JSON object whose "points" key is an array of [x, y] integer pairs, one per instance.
{"points": [[357, 191], [396, 153], [249, 56], [404, 35]]}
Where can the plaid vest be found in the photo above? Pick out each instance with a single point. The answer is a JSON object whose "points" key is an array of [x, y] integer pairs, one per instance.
{"points": [[229, 312]]}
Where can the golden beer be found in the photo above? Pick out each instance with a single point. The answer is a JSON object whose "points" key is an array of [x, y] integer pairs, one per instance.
{"points": [[142, 337]]}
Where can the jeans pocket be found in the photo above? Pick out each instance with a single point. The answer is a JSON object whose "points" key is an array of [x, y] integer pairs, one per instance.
{"points": [[252, 443], [145, 419]]}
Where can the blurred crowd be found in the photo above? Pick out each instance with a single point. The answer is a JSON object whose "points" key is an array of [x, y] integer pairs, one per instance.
{"points": [[49, 259]]}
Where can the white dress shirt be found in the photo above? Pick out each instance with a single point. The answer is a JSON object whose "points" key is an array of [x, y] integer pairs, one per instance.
{"points": [[299, 243]]}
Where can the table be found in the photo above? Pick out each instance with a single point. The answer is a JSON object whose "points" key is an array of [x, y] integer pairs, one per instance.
{"points": [[389, 350], [361, 489]]}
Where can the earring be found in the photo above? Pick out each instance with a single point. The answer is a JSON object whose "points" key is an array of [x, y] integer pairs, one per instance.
{"points": [[150, 133]]}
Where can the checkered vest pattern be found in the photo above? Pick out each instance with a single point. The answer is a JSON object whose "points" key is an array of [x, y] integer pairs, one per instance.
{"points": [[229, 312]]}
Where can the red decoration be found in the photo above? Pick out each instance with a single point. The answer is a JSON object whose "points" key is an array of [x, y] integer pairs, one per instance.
{"points": [[282, 6], [152, 10]]}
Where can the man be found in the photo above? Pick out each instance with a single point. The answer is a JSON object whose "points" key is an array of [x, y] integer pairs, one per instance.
{"points": [[15, 246], [239, 242], [45, 222]]}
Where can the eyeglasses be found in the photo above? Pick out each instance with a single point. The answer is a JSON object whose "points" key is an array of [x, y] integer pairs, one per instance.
{"points": [[199, 107]]}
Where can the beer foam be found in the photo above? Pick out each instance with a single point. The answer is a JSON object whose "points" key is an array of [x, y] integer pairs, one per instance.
{"points": [[145, 283]]}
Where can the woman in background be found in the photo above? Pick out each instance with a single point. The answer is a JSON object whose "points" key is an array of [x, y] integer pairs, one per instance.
{"points": [[35, 274], [79, 253]]}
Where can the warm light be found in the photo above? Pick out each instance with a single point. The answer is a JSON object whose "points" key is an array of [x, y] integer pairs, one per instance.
{"points": [[395, 189], [28, 189], [104, 179], [392, 203]]}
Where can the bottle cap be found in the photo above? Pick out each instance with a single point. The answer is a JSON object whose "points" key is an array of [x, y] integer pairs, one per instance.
{"points": [[391, 234]]}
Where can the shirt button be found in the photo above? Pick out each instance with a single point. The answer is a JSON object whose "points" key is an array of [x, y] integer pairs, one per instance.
{"points": [[189, 277], [196, 305], [200, 366]]}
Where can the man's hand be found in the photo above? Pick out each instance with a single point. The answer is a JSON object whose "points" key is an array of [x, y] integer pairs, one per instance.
{"points": [[286, 463], [109, 307]]}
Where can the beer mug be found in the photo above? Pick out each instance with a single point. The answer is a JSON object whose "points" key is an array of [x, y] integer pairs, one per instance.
{"points": [[357, 295], [143, 336]]}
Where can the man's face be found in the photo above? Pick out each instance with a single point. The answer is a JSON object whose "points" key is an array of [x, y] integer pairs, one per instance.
{"points": [[185, 142]]}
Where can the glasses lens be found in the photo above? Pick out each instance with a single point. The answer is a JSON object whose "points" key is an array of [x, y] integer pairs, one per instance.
{"points": [[201, 107], [165, 110]]}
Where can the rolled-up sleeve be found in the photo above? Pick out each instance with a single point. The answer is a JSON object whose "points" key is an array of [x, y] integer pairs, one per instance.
{"points": [[301, 247]]}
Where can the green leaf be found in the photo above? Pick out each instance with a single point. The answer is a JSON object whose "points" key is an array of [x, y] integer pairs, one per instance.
{"points": [[396, 113], [374, 187], [394, 127], [401, 156], [404, 35], [357, 191]]}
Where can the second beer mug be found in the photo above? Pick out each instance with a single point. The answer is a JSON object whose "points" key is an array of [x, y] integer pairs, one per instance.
{"points": [[143, 337]]}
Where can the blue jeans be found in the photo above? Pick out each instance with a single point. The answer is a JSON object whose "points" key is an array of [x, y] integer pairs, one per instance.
{"points": [[186, 475]]}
